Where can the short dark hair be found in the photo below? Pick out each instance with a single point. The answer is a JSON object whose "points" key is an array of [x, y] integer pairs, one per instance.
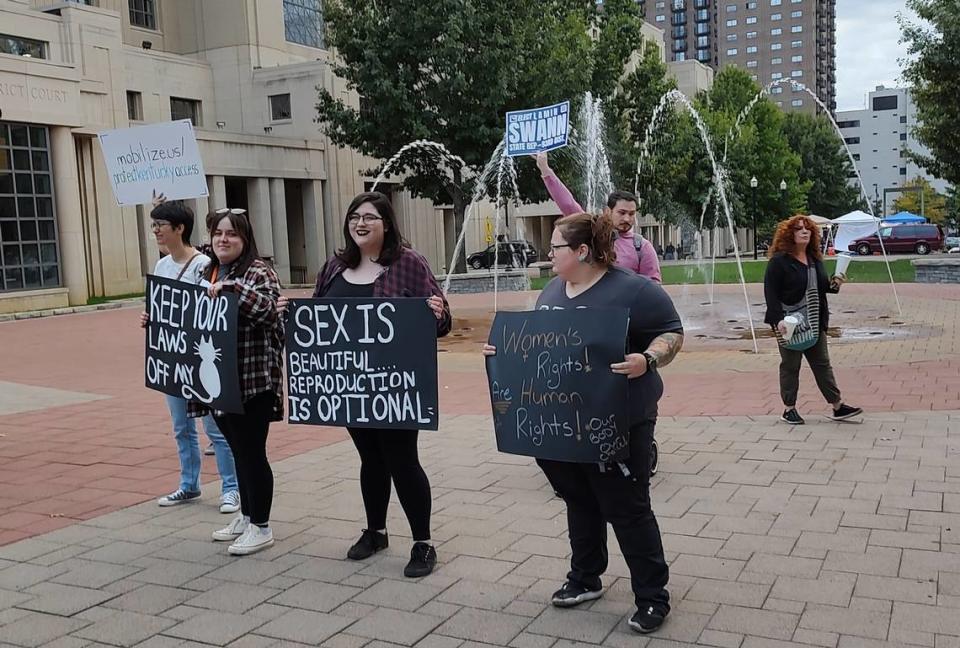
{"points": [[393, 242], [175, 213], [241, 224], [620, 194]]}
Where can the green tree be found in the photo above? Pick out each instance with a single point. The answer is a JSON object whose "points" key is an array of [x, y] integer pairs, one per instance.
{"points": [[933, 204], [447, 71], [930, 69], [824, 164]]}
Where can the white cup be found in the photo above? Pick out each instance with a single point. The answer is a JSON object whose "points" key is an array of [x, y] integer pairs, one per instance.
{"points": [[843, 262], [790, 322]]}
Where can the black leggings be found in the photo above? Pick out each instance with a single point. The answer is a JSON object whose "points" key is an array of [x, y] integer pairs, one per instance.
{"points": [[393, 453], [247, 435]]}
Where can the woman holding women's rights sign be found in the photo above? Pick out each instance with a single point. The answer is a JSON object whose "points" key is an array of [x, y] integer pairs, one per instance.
{"points": [[172, 226], [796, 286], [240, 270], [582, 250], [376, 262]]}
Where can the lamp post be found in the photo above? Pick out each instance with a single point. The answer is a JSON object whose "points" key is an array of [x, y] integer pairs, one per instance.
{"points": [[753, 186]]}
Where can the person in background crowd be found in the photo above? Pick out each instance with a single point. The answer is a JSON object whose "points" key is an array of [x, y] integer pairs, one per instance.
{"points": [[376, 262], [794, 273], [582, 250], [172, 225]]}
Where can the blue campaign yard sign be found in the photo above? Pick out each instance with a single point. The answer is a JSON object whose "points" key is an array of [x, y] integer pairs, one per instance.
{"points": [[538, 129]]}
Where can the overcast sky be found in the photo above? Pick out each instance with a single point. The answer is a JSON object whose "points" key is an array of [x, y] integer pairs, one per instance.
{"points": [[867, 49]]}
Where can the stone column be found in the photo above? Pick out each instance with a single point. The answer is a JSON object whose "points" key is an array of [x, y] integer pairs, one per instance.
{"points": [[546, 233], [313, 226], [66, 187], [278, 219], [258, 197], [218, 192]]}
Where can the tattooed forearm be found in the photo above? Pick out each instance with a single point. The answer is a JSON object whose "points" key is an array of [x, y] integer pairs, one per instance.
{"points": [[666, 347]]}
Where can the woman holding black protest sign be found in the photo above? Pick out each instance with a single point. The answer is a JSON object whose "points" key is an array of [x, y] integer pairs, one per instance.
{"points": [[582, 251], [376, 262], [172, 225], [240, 270]]}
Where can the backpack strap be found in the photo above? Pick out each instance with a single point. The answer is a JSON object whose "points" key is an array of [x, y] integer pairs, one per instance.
{"points": [[638, 246], [187, 265]]}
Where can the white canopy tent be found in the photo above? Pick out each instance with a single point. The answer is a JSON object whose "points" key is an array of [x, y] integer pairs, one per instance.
{"points": [[857, 225]]}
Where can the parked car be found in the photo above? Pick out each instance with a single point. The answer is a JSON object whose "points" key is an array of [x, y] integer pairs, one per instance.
{"points": [[510, 255], [921, 239], [951, 242]]}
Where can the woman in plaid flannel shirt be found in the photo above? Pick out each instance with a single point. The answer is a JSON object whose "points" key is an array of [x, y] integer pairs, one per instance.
{"points": [[240, 270], [376, 262]]}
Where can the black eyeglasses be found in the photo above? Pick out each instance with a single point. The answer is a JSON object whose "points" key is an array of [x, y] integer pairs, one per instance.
{"points": [[563, 245], [366, 218]]}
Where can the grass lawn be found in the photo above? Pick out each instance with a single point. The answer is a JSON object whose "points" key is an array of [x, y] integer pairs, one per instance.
{"points": [[726, 272]]}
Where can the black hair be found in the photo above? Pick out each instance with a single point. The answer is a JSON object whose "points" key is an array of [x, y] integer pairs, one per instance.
{"points": [[620, 194], [177, 214], [393, 242], [241, 224]]}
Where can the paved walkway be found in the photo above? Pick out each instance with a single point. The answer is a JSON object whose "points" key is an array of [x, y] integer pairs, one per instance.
{"points": [[829, 535]]}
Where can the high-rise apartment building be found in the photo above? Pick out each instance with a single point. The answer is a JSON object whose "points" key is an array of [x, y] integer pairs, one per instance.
{"points": [[772, 39]]}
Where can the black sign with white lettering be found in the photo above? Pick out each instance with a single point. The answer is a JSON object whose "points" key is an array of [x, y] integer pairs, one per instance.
{"points": [[363, 363], [553, 393], [192, 344]]}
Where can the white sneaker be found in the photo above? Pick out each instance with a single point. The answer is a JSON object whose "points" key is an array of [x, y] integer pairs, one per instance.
{"points": [[237, 527], [254, 540], [230, 502]]}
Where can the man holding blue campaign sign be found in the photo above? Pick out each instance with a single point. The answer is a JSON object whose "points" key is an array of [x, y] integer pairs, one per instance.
{"points": [[377, 263], [616, 491]]}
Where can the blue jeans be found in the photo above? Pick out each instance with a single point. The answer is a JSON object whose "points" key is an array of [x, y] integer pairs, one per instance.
{"points": [[188, 447]]}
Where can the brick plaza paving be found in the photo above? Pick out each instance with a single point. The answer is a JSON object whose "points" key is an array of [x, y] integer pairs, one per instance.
{"points": [[824, 535]]}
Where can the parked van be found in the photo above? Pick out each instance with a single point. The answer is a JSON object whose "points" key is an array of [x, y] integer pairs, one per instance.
{"points": [[918, 239]]}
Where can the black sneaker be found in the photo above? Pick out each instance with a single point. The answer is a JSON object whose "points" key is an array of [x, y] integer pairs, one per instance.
{"points": [[370, 542], [792, 417], [423, 558], [845, 412], [572, 594], [654, 458], [648, 619]]}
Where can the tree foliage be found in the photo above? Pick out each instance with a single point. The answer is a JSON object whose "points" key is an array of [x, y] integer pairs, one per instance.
{"points": [[933, 205], [932, 70]]}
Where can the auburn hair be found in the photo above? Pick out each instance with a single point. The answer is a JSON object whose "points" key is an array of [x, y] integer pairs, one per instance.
{"points": [[596, 231], [783, 238]]}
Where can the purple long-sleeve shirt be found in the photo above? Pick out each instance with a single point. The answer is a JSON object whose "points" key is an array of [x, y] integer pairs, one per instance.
{"points": [[646, 263]]}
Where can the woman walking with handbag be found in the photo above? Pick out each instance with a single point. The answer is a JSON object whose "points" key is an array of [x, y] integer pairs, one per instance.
{"points": [[795, 287]]}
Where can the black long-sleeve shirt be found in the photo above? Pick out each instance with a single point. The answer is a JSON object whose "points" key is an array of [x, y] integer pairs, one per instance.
{"points": [[785, 282]]}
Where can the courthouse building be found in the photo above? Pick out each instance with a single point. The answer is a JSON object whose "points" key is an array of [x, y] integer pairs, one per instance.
{"points": [[245, 73]]}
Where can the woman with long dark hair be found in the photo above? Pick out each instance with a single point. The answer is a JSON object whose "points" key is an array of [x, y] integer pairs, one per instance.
{"points": [[376, 262], [583, 255], [240, 270], [795, 286]]}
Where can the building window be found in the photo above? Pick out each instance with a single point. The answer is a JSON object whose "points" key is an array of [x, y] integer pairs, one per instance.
{"points": [[303, 22], [797, 58], [796, 29], [143, 13], [703, 41], [732, 22], [903, 171], [751, 35], [731, 37], [776, 75], [702, 15], [661, 18], [853, 123], [134, 106], [796, 74], [776, 60], [776, 31], [29, 254], [185, 109], [752, 49], [22, 47], [703, 56], [680, 56], [903, 120], [796, 44], [751, 64], [796, 14], [751, 20], [774, 3], [903, 137], [852, 140], [776, 46], [731, 8], [280, 107], [732, 51], [702, 29], [776, 90], [796, 103], [856, 157], [776, 16], [751, 5], [885, 103]]}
